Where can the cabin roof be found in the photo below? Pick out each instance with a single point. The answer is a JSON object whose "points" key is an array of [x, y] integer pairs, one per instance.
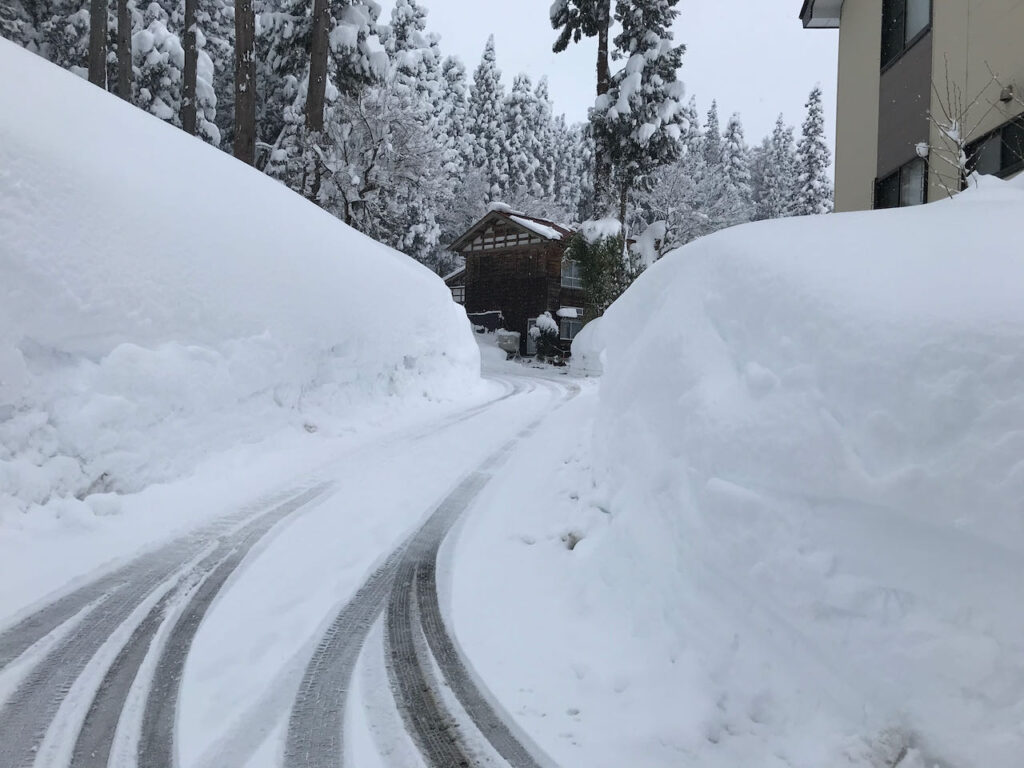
{"points": [[458, 272], [549, 230]]}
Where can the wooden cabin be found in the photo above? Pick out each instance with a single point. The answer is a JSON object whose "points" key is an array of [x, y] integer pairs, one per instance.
{"points": [[515, 269]]}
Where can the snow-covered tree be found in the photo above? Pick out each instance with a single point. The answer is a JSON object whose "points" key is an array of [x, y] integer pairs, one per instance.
{"points": [[487, 122], [522, 143], [776, 194], [547, 140], [453, 115], [16, 23], [736, 161], [813, 189], [415, 54], [575, 19], [283, 30], [642, 118], [159, 61], [712, 138]]}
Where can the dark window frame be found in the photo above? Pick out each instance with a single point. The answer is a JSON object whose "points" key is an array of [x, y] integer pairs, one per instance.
{"points": [[886, 64], [1005, 169], [898, 176]]}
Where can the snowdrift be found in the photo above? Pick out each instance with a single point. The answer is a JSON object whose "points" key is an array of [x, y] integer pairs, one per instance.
{"points": [[159, 300], [810, 437]]}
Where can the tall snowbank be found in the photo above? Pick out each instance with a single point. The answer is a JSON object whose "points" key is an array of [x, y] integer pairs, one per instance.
{"points": [[810, 438], [159, 300]]}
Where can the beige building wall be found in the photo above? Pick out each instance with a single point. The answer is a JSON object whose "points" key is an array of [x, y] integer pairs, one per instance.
{"points": [[970, 37], [860, 49]]}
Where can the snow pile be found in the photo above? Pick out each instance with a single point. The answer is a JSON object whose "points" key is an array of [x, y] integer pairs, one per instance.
{"points": [[810, 446], [161, 301]]}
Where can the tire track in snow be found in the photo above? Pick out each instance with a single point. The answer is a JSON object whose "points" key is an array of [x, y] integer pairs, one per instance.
{"points": [[28, 713], [315, 737], [17, 638], [156, 745]]}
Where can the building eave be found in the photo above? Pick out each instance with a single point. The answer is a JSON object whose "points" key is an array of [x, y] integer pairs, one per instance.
{"points": [[821, 14]]}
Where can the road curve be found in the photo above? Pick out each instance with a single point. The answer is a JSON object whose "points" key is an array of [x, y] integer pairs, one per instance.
{"points": [[404, 591]]}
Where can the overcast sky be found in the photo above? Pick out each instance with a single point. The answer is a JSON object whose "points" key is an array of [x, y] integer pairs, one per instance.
{"points": [[751, 55]]}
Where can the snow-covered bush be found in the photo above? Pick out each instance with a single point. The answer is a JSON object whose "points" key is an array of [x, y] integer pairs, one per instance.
{"points": [[545, 334]]}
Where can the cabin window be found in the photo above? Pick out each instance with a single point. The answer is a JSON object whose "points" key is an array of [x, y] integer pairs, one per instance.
{"points": [[572, 274], [904, 22], [568, 327], [906, 186], [459, 294], [999, 153]]}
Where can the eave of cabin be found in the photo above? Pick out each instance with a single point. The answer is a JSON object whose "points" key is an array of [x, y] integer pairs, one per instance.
{"points": [[497, 230]]}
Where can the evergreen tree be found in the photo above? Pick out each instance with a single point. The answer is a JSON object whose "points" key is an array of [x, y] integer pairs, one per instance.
{"points": [[63, 34], [777, 196], [282, 56], [736, 161], [16, 23], [712, 144], [813, 190], [641, 119], [523, 146], [158, 62], [691, 138], [415, 55], [590, 18], [453, 115], [487, 123], [548, 144]]}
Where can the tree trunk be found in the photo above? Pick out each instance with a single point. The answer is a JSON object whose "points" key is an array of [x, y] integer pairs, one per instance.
{"points": [[98, 43], [124, 51], [245, 82], [602, 162], [188, 88], [623, 202], [317, 89]]}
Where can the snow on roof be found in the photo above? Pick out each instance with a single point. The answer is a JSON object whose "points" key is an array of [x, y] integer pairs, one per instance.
{"points": [[500, 207], [454, 273], [542, 227], [535, 226]]}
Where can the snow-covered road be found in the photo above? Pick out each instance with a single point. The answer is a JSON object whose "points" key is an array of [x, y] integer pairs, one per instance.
{"points": [[240, 641]]}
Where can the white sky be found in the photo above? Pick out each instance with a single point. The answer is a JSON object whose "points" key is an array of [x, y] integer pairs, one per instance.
{"points": [[753, 56]]}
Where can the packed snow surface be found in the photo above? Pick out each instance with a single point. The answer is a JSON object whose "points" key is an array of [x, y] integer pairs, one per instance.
{"points": [[161, 301], [788, 530]]}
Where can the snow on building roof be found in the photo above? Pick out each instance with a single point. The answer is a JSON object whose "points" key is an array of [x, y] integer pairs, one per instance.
{"points": [[549, 230], [454, 273], [499, 207], [537, 227]]}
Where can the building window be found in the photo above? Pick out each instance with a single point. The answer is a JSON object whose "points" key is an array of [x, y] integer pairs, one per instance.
{"points": [[999, 153], [568, 327], [906, 186], [904, 22], [572, 274], [459, 294]]}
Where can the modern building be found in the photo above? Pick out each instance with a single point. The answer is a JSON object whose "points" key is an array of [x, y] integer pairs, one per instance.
{"points": [[515, 270], [919, 81]]}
